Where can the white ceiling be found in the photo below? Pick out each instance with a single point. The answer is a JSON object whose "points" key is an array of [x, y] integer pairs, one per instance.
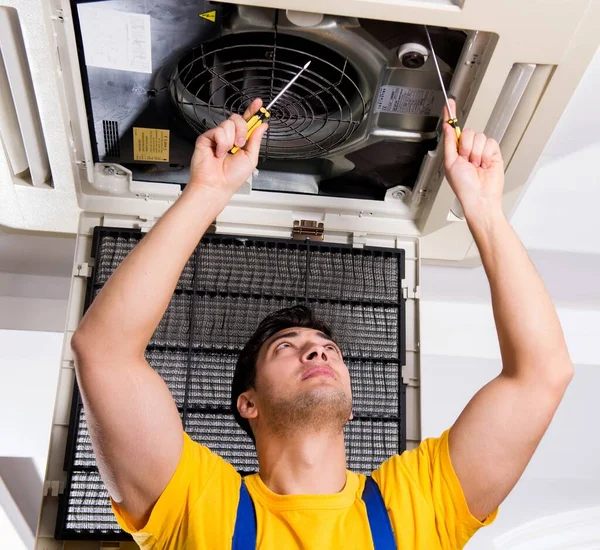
{"points": [[571, 279]]}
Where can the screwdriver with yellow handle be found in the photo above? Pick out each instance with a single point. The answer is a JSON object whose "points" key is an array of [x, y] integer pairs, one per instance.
{"points": [[265, 112], [453, 120]]}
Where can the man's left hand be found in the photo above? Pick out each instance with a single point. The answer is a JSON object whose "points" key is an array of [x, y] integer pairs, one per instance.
{"points": [[474, 169]]}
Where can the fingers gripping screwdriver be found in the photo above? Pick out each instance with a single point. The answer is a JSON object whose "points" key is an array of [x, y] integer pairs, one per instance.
{"points": [[265, 112], [453, 120]]}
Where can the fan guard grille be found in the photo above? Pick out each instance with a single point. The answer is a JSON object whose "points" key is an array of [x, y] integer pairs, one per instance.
{"points": [[319, 113]]}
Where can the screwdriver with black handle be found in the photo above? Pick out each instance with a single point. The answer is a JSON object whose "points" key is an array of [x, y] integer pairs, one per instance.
{"points": [[265, 112], [453, 120]]}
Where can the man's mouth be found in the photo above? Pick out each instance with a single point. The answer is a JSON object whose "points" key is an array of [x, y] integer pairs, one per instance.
{"points": [[317, 371]]}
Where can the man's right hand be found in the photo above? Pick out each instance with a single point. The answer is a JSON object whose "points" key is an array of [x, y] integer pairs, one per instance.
{"points": [[133, 422], [213, 167]]}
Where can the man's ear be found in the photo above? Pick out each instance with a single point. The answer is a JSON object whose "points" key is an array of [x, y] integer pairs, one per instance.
{"points": [[351, 415], [246, 405]]}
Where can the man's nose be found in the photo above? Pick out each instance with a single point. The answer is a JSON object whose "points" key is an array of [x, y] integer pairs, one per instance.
{"points": [[316, 352]]}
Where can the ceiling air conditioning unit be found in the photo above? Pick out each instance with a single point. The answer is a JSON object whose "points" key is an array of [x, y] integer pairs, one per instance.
{"points": [[100, 104]]}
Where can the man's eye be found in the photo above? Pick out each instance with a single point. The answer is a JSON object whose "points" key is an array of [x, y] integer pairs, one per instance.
{"points": [[282, 345], [332, 347]]}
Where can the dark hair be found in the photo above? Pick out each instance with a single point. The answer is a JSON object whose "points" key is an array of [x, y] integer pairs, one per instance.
{"points": [[244, 376]]}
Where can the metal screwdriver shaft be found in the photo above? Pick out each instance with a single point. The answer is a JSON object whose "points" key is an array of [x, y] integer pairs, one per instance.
{"points": [[452, 121], [287, 87], [265, 112]]}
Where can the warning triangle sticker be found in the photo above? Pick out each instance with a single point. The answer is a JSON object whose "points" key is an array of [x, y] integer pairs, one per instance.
{"points": [[209, 15]]}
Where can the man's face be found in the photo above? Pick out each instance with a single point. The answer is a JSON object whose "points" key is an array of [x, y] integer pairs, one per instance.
{"points": [[301, 380]]}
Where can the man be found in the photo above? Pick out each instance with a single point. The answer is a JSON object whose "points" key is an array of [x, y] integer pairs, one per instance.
{"points": [[291, 392]]}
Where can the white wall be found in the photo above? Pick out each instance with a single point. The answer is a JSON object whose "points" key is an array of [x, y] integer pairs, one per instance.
{"points": [[34, 289], [33, 310], [33, 302], [29, 365], [460, 354], [8, 532]]}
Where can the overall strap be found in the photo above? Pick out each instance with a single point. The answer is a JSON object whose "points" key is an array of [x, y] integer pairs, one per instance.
{"points": [[244, 535], [379, 520]]}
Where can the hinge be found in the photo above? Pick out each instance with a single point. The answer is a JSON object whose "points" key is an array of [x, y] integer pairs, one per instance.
{"points": [[82, 270], [53, 488], [308, 229]]}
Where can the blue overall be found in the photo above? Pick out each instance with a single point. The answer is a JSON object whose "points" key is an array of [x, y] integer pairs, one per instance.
{"points": [[244, 536]]}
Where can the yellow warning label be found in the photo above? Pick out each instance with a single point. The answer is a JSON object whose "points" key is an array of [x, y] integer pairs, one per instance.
{"points": [[151, 144], [209, 15]]}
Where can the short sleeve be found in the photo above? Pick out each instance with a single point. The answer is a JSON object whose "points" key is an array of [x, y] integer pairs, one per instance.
{"points": [[421, 487], [172, 523]]}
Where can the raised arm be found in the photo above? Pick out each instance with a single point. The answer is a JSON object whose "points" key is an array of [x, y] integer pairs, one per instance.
{"points": [[134, 424], [496, 435]]}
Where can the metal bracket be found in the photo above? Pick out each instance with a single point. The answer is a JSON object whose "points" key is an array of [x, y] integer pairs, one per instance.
{"points": [[82, 270], [308, 229], [53, 488]]}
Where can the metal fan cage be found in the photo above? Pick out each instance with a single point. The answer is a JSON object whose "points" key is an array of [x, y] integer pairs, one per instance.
{"points": [[228, 285], [318, 114]]}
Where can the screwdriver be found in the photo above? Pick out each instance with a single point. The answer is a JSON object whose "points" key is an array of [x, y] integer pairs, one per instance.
{"points": [[265, 112], [453, 120]]}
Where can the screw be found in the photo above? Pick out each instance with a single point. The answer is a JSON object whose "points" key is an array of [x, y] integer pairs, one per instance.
{"points": [[398, 194], [109, 170]]}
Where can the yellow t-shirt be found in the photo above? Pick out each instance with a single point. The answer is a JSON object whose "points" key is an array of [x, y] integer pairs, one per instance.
{"points": [[197, 509]]}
